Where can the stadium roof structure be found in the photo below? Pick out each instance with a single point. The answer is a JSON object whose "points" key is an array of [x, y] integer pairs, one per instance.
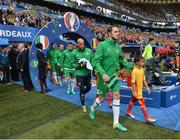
{"points": [[155, 1]]}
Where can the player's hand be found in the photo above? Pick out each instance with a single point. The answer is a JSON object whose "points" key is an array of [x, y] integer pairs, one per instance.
{"points": [[67, 78], [148, 90], [135, 95], [58, 64], [106, 78], [84, 63], [121, 71]]}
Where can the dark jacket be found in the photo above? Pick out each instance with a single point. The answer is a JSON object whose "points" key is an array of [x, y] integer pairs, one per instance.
{"points": [[23, 60], [12, 57], [41, 59]]}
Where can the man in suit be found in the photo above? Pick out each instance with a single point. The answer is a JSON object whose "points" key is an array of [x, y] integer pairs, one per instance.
{"points": [[23, 67], [13, 53]]}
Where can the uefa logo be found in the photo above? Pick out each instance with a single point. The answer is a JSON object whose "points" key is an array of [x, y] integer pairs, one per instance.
{"points": [[71, 21]]}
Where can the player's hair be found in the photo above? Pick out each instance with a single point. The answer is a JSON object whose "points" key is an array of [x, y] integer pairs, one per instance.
{"points": [[138, 59], [53, 44], [109, 29], [70, 43], [151, 39]]}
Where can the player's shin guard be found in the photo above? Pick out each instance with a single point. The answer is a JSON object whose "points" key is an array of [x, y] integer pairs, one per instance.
{"points": [[116, 110]]}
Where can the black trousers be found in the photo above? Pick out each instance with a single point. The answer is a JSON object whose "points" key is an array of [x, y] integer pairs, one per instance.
{"points": [[84, 84], [26, 79], [42, 73], [14, 73], [6, 73]]}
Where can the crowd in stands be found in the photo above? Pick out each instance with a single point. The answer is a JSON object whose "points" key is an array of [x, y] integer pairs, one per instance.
{"points": [[133, 35], [32, 19], [27, 18], [144, 10], [158, 13], [161, 13]]}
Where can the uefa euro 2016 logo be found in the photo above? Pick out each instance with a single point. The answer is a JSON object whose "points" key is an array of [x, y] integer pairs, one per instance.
{"points": [[71, 21]]}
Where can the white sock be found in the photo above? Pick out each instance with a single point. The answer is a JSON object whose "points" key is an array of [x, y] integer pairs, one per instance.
{"points": [[96, 102], [73, 83], [59, 78], [116, 110], [55, 76], [68, 84], [1, 76]]}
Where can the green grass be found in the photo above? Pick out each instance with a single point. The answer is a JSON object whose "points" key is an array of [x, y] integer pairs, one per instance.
{"points": [[20, 111], [40, 116]]}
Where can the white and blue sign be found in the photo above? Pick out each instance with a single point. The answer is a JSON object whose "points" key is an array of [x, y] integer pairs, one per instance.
{"points": [[170, 97], [18, 33], [152, 100]]}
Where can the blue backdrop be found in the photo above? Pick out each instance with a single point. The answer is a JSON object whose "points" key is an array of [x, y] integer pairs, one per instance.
{"points": [[51, 33]]}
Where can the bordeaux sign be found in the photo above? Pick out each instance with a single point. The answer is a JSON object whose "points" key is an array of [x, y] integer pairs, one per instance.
{"points": [[8, 33], [18, 33]]}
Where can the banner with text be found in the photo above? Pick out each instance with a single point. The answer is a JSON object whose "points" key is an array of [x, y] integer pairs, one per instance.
{"points": [[18, 33]]}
